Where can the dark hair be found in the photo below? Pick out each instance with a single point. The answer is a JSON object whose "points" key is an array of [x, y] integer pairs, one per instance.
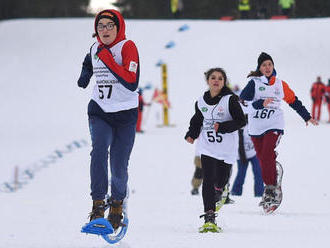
{"points": [[262, 57], [210, 71], [255, 74]]}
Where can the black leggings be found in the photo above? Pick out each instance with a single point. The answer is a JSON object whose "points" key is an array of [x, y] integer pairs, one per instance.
{"points": [[215, 172]]}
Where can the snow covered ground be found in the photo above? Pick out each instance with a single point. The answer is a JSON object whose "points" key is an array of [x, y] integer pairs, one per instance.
{"points": [[42, 109]]}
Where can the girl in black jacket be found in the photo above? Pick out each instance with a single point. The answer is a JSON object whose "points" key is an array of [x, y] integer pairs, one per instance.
{"points": [[217, 118]]}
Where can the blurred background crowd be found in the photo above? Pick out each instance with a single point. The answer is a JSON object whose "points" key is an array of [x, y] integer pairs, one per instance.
{"points": [[167, 9]]}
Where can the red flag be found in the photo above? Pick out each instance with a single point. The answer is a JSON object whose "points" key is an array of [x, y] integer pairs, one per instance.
{"points": [[161, 98]]}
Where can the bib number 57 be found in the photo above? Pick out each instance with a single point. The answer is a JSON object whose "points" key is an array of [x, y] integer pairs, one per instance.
{"points": [[105, 91]]}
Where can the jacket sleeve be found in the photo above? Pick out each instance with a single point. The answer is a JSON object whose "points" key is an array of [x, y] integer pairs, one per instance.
{"points": [[128, 73], [300, 109], [86, 72], [196, 123], [294, 102], [237, 114], [248, 93]]}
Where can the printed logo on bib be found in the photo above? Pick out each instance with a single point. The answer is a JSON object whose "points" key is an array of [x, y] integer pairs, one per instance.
{"points": [[277, 91], [248, 146], [208, 124], [262, 88], [221, 112], [132, 66], [204, 109]]}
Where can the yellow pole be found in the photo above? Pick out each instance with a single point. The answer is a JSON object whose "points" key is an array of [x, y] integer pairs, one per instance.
{"points": [[165, 107]]}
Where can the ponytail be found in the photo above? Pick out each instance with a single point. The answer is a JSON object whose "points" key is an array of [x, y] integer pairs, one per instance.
{"points": [[255, 74]]}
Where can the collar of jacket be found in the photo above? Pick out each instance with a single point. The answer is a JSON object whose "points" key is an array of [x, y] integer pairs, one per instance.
{"points": [[215, 100]]}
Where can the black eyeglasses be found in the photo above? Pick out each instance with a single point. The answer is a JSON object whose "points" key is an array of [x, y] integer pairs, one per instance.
{"points": [[108, 26]]}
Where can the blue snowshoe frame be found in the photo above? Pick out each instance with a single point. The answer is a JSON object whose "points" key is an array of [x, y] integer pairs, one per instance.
{"points": [[103, 227]]}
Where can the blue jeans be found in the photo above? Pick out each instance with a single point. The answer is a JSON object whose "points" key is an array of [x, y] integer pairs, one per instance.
{"points": [[240, 177], [115, 132]]}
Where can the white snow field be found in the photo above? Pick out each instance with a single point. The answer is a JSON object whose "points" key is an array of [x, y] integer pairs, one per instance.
{"points": [[43, 110]]}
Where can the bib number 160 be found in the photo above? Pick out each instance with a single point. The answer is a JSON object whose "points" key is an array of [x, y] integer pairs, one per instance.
{"points": [[263, 114]]}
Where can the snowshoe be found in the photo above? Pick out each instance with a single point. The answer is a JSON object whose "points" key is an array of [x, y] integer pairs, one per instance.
{"points": [[209, 227], [278, 190], [98, 226], [272, 199], [210, 224], [102, 226], [220, 197]]}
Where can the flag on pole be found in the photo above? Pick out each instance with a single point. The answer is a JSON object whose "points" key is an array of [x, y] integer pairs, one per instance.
{"points": [[161, 98]]}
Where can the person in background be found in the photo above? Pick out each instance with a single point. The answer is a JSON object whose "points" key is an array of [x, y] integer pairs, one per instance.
{"points": [[176, 8], [262, 7], [236, 89], [264, 92], [244, 8], [112, 111], [197, 179], [247, 154], [218, 115], [286, 7], [140, 111], [327, 98], [317, 94]]}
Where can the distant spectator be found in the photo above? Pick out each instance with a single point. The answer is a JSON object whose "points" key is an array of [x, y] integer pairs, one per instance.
{"points": [[177, 8], [286, 6], [140, 111], [327, 97], [317, 93], [244, 8], [236, 89], [262, 7]]}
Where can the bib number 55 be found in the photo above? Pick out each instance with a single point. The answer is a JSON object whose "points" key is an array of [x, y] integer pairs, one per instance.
{"points": [[213, 137]]}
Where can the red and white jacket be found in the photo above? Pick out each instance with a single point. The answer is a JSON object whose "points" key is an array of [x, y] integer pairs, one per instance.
{"points": [[116, 69]]}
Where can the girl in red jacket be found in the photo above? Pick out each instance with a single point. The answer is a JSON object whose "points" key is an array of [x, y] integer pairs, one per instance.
{"points": [[112, 111]]}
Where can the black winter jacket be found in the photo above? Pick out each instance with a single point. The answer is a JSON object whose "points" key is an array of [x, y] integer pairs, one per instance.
{"points": [[235, 111]]}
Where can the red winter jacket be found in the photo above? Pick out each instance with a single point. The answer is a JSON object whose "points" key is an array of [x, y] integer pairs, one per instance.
{"points": [[317, 91]]}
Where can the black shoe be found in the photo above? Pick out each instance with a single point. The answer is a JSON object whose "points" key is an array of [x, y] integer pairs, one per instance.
{"points": [[195, 191], [209, 216], [229, 201]]}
